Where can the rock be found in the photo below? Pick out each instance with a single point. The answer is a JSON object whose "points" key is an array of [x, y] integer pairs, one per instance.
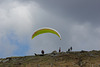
{"points": [[6, 60], [54, 52], [82, 51]]}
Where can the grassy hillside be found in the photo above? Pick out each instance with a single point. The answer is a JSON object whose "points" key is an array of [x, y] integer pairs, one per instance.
{"points": [[63, 59]]}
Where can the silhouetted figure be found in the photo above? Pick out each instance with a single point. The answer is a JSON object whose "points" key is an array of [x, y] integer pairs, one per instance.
{"points": [[42, 52], [71, 48], [59, 49], [68, 50], [35, 54]]}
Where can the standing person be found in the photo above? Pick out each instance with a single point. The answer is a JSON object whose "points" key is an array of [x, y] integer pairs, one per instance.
{"points": [[59, 49], [42, 52], [68, 50], [71, 48]]}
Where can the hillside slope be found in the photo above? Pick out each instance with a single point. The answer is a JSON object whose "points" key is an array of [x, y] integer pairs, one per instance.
{"points": [[63, 59]]}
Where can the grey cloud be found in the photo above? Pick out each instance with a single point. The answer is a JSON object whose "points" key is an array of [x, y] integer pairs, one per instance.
{"points": [[80, 10], [75, 32], [15, 19], [69, 18], [74, 19]]}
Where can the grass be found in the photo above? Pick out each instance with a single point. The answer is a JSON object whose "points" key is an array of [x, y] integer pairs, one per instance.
{"points": [[63, 59]]}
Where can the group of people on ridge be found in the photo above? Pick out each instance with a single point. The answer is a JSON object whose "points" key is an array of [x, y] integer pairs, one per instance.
{"points": [[70, 49]]}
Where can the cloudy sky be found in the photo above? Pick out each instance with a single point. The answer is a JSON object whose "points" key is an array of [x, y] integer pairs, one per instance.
{"points": [[78, 22]]}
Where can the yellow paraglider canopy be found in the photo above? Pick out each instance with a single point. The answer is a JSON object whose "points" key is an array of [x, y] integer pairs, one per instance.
{"points": [[45, 30]]}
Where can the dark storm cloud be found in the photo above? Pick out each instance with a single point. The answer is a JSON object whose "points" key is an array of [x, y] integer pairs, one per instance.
{"points": [[80, 10]]}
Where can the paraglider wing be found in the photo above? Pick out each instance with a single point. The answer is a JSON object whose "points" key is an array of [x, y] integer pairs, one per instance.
{"points": [[45, 30]]}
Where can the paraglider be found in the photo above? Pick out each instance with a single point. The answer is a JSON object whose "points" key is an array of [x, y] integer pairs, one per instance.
{"points": [[45, 30]]}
